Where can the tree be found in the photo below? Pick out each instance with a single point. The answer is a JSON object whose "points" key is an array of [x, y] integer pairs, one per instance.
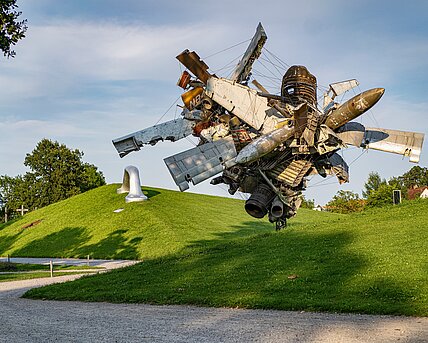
{"points": [[307, 203], [345, 202], [91, 178], [372, 184], [417, 176], [381, 196], [57, 169], [57, 173], [11, 29], [13, 194]]}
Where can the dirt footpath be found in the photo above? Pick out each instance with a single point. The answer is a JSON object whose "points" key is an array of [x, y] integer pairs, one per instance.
{"points": [[23, 320]]}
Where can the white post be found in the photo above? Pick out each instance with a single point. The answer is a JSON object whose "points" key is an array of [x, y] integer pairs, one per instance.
{"points": [[51, 267]]}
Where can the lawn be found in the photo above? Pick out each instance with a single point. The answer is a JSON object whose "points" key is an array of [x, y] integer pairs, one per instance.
{"points": [[86, 225], [373, 262]]}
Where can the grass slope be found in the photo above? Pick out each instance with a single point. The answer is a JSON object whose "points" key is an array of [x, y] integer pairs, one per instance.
{"points": [[372, 262], [86, 225]]}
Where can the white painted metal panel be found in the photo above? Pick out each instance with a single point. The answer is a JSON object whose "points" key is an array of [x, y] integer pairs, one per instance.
{"points": [[240, 100], [397, 142], [343, 86]]}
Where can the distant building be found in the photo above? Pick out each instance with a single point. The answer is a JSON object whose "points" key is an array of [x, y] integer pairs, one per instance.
{"points": [[419, 192], [319, 208]]}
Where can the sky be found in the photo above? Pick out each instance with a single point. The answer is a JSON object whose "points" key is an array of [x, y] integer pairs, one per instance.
{"points": [[90, 71]]}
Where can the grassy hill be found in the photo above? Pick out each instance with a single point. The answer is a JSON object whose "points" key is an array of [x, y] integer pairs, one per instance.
{"points": [[86, 225], [371, 262]]}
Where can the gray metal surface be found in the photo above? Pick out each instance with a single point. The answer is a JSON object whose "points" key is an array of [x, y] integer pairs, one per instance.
{"points": [[264, 144], [352, 133], [336, 89], [200, 163], [264, 126], [253, 52], [172, 130]]}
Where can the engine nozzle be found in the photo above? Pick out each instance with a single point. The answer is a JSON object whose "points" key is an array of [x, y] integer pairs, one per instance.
{"points": [[259, 202]]}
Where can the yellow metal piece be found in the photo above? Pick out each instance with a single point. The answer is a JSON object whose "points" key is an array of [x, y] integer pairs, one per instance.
{"points": [[192, 98], [293, 173], [282, 123]]}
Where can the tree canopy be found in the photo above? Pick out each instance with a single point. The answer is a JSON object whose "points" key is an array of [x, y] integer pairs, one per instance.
{"points": [[415, 177], [379, 192], [57, 173], [11, 28], [345, 202], [373, 182]]}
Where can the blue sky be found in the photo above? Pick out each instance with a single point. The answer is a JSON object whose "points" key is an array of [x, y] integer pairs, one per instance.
{"points": [[93, 70]]}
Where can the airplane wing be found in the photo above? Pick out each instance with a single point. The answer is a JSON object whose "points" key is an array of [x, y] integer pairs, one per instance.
{"points": [[243, 69], [398, 142], [200, 163], [172, 130], [336, 89]]}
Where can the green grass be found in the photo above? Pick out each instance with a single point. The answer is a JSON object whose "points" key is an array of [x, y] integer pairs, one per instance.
{"points": [[24, 271], [372, 262], [28, 276], [86, 225], [20, 267]]}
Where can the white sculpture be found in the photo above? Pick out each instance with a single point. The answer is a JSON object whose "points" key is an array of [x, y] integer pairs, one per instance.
{"points": [[131, 184]]}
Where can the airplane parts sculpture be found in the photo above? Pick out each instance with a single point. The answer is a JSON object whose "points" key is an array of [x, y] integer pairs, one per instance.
{"points": [[266, 144]]}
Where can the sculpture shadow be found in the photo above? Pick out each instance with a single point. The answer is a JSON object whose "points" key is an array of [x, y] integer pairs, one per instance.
{"points": [[62, 243], [10, 222], [290, 270], [115, 246], [150, 193], [72, 242], [245, 229], [6, 242]]}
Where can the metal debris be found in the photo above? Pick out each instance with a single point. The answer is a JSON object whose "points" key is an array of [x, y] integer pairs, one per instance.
{"points": [[266, 144]]}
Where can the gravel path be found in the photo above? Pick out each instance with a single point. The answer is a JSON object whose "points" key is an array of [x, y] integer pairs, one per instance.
{"points": [[108, 264], [23, 320]]}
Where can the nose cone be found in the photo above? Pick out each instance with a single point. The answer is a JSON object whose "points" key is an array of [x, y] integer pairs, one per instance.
{"points": [[373, 95], [354, 107], [368, 99], [363, 102]]}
